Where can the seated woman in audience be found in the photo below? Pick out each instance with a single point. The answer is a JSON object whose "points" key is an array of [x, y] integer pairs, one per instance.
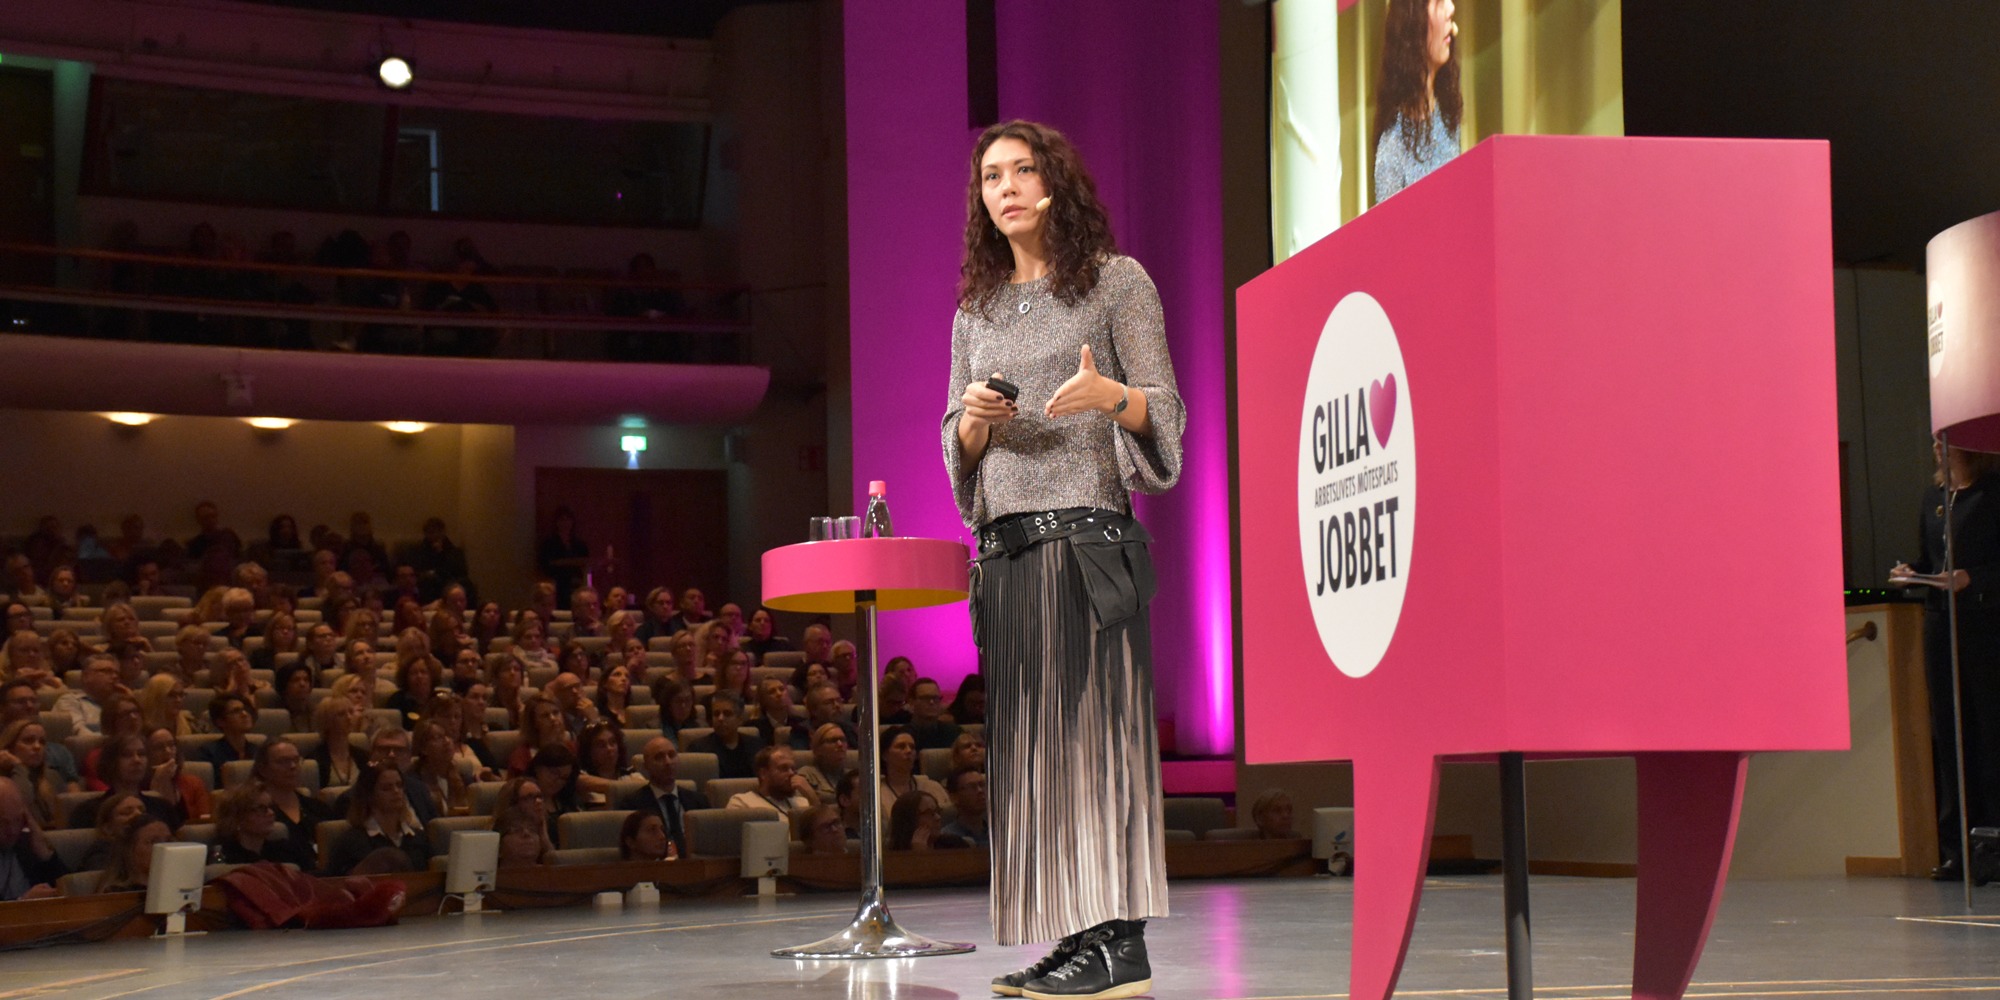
{"points": [[686, 666], [295, 688], [321, 655], [191, 644], [916, 823], [524, 839], [281, 635], [119, 623], [132, 855], [643, 837], [968, 706], [163, 750], [234, 716], [555, 772], [715, 647], [113, 814], [602, 747], [282, 537], [734, 674], [65, 651], [507, 678], [807, 675], [122, 716], [472, 731], [127, 771], [900, 776], [24, 759], [239, 611], [542, 601], [446, 633], [163, 702], [246, 830], [278, 769], [823, 830], [1272, 812], [676, 701], [848, 794], [381, 817], [530, 637], [360, 662], [968, 751], [573, 658], [416, 687], [453, 599], [353, 691], [232, 676], [618, 599], [437, 767], [62, 591], [614, 692], [466, 667], [488, 623], [541, 726], [333, 720], [523, 794], [620, 627], [408, 614], [361, 623]]}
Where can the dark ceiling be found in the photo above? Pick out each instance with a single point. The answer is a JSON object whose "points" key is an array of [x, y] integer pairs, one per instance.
{"points": [[668, 18], [1908, 92]]}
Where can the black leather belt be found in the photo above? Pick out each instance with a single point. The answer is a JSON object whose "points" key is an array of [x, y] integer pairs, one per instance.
{"points": [[1015, 533]]}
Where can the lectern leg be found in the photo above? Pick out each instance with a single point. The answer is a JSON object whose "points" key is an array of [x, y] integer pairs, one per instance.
{"points": [[873, 933], [1514, 875], [1688, 807]]}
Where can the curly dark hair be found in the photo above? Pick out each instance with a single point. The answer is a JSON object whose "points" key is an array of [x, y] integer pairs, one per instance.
{"points": [[1076, 231], [1399, 87]]}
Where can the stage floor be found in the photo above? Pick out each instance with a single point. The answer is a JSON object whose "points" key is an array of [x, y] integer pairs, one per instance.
{"points": [[1267, 939]]}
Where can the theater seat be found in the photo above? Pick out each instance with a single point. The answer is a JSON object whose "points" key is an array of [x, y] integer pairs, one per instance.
{"points": [[935, 763], [700, 768], [687, 737], [79, 883], [440, 830], [585, 856], [1195, 814], [718, 833], [787, 659], [1232, 833], [484, 796], [589, 829], [71, 845]]}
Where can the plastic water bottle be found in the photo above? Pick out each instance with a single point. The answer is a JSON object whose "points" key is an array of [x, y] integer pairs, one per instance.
{"points": [[875, 524]]}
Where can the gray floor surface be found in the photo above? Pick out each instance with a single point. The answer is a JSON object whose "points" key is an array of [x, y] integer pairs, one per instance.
{"points": [[1265, 939]]}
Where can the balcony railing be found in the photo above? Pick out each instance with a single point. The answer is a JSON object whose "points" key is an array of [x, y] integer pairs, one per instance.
{"points": [[513, 312]]}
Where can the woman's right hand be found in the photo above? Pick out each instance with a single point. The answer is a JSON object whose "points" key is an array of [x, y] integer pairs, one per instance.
{"points": [[987, 405]]}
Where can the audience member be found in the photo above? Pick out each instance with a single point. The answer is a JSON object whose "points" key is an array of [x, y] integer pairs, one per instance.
{"points": [[621, 626], [237, 679], [24, 763], [20, 618], [676, 701], [127, 771], [278, 770], [379, 816], [281, 635], [735, 751], [818, 645], [29, 865], [601, 749], [541, 726], [416, 682], [120, 624], [967, 787], [524, 838], [892, 703], [191, 652], [473, 705], [916, 823], [334, 722], [361, 540], [774, 722], [848, 795], [682, 648], [162, 701], [843, 668], [823, 831], [586, 613], [900, 776], [246, 824], [779, 785], [438, 560], [577, 711], [928, 723], [662, 794], [437, 767], [968, 707], [969, 750], [361, 665], [211, 534], [488, 624], [113, 813], [563, 556], [163, 750], [18, 703], [508, 678], [823, 708], [829, 763], [122, 716], [131, 542], [693, 610], [21, 585], [614, 692], [234, 717], [62, 590], [1272, 814], [530, 641], [643, 837], [295, 695], [132, 858], [761, 638], [542, 600], [659, 615], [28, 659], [84, 707], [131, 657], [554, 771]]}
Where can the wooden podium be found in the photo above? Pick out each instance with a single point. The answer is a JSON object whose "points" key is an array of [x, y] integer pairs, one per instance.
{"points": [[1501, 440]]}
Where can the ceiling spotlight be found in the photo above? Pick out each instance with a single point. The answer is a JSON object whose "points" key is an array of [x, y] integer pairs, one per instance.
{"points": [[130, 419], [269, 423], [407, 426], [395, 72]]}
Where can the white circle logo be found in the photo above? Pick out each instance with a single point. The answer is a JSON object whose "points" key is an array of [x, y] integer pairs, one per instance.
{"points": [[1357, 484]]}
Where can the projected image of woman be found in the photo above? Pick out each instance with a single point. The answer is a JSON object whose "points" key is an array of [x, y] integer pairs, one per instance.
{"points": [[1063, 577], [1417, 103]]}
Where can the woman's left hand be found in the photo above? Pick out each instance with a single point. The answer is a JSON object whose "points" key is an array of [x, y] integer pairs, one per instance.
{"points": [[1085, 391]]}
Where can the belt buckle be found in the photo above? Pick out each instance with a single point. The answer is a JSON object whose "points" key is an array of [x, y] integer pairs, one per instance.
{"points": [[1013, 536]]}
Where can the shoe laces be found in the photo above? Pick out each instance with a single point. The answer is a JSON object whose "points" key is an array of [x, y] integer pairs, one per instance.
{"points": [[1091, 939]]}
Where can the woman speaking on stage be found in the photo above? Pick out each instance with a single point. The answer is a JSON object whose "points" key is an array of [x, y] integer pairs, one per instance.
{"points": [[1062, 404]]}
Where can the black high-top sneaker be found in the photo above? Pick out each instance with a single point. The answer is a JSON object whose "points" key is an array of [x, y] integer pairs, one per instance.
{"points": [[1010, 984], [1109, 964]]}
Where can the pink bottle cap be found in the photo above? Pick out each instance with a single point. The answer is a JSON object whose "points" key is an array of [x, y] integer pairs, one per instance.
{"points": [[877, 487]]}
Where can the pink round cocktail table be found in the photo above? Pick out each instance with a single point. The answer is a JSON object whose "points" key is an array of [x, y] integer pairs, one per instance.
{"points": [[841, 577]]}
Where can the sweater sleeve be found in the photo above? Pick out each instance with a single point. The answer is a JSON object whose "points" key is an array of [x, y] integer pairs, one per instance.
{"points": [[1148, 463], [964, 479]]}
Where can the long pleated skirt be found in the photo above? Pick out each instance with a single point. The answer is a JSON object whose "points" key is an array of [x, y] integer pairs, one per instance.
{"points": [[1073, 756]]}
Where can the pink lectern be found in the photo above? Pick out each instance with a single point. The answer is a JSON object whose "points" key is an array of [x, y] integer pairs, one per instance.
{"points": [[839, 578], [1962, 314], [1539, 457]]}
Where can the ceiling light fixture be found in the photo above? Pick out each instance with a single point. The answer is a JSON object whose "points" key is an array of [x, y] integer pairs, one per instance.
{"points": [[130, 419], [269, 423], [407, 426], [395, 73]]}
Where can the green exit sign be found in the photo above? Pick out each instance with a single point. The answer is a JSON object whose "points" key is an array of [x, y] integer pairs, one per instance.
{"points": [[632, 442]]}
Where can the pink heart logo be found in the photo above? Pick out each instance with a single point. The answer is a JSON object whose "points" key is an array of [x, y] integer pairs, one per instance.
{"points": [[1382, 408]]}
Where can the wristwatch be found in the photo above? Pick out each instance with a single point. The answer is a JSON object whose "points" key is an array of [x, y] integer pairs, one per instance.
{"points": [[1124, 398]]}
